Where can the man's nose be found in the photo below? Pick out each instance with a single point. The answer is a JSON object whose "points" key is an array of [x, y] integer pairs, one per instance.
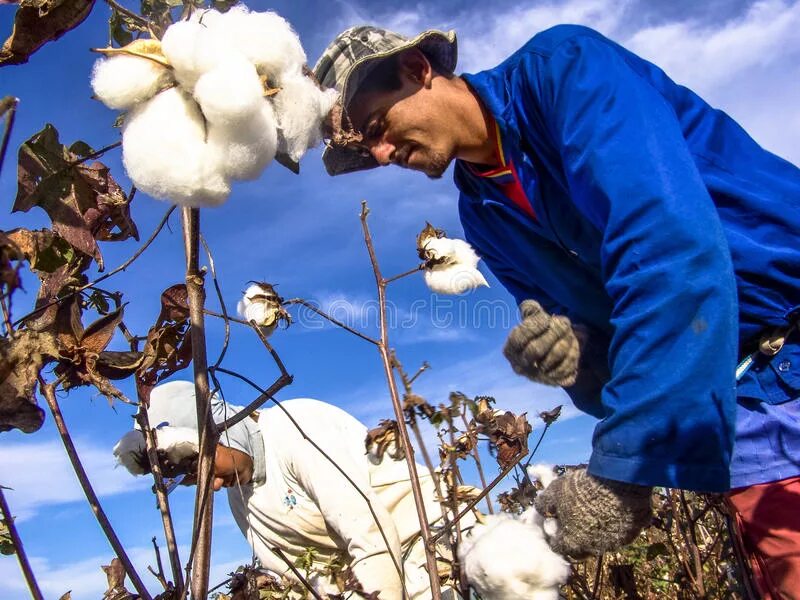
{"points": [[383, 152]]}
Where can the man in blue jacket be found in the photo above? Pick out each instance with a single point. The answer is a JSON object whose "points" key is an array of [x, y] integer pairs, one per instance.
{"points": [[652, 246]]}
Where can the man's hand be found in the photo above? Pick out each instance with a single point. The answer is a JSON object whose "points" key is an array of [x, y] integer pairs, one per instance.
{"points": [[594, 515], [543, 347]]}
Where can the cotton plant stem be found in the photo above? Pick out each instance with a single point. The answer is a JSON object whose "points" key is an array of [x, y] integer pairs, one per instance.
{"points": [[477, 457], [8, 109], [48, 391], [459, 579], [326, 316], [221, 299], [105, 276], [204, 496], [383, 348], [162, 500], [404, 274], [479, 497], [19, 549]]}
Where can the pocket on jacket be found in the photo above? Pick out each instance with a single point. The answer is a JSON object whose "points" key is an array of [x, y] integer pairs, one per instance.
{"points": [[774, 380]]}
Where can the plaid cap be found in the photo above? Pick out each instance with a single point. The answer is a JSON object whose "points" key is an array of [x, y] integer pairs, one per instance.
{"points": [[352, 56]]}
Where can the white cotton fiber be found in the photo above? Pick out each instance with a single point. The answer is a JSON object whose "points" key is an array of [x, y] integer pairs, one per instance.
{"points": [[177, 443], [231, 93], [122, 81], [456, 279], [542, 472], [301, 107], [192, 50], [129, 450], [265, 38], [165, 154], [508, 558], [245, 151]]}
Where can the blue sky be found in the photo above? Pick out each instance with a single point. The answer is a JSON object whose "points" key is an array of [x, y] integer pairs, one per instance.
{"points": [[303, 234]]}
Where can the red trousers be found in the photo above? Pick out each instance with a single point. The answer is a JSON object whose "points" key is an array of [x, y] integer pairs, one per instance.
{"points": [[768, 517]]}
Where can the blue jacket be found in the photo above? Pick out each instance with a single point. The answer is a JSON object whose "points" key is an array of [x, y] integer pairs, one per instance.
{"points": [[661, 228]]}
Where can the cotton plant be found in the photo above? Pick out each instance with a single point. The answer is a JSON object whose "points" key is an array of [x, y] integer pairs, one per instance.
{"points": [[507, 557], [451, 265], [213, 102], [261, 304]]}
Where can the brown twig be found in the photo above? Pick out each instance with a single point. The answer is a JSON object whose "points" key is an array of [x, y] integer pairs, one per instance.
{"points": [[204, 496], [217, 288], [336, 322], [477, 458], [139, 19], [19, 549], [122, 267], [404, 274], [8, 108], [458, 576], [472, 503], [162, 499], [48, 391], [162, 579], [383, 348], [598, 577]]}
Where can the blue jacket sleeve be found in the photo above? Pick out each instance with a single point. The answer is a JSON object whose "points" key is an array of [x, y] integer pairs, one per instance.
{"points": [[668, 408]]}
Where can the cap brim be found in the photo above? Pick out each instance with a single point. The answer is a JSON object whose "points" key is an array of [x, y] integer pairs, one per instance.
{"points": [[439, 45]]}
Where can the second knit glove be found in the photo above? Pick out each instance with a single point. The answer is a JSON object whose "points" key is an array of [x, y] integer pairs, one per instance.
{"points": [[543, 347], [594, 515]]}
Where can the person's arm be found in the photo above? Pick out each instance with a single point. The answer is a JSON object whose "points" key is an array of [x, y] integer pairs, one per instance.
{"points": [[669, 405]]}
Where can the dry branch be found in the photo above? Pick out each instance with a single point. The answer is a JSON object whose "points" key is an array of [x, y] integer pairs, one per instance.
{"points": [[383, 348], [19, 549], [48, 391]]}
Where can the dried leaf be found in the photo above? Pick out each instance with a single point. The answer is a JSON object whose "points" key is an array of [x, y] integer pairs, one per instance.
{"points": [[148, 49], [38, 22], [66, 596], [507, 433], [551, 416], [385, 438], [9, 273], [428, 232], [22, 355], [83, 201], [168, 347], [7, 547], [115, 574]]}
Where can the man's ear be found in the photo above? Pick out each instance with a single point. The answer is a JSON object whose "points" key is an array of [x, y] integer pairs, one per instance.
{"points": [[415, 67]]}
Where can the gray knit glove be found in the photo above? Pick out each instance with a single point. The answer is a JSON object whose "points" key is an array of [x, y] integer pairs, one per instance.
{"points": [[543, 347], [594, 515]]}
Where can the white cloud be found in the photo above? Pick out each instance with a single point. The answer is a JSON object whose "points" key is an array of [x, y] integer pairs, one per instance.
{"points": [[40, 475]]}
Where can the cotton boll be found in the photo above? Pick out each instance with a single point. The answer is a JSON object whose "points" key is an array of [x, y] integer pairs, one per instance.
{"points": [[265, 38], [439, 252], [262, 304], [543, 473], [300, 107], [130, 452], [455, 279], [244, 152], [178, 443], [193, 49], [122, 81], [231, 93], [508, 558], [165, 154]]}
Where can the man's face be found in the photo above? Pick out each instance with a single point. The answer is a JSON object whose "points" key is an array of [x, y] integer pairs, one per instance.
{"points": [[231, 467], [405, 127]]}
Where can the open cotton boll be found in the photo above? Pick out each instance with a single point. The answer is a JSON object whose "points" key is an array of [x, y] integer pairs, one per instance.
{"points": [[231, 93], [262, 304], [193, 49], [165, 154], [455, 279], [542, 472], [123, 81], [245, 151], [265, 38], [508, 558], [300, 107]]}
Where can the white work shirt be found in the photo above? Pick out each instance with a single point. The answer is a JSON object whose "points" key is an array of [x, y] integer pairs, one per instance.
{"points": [[305, 502]]}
